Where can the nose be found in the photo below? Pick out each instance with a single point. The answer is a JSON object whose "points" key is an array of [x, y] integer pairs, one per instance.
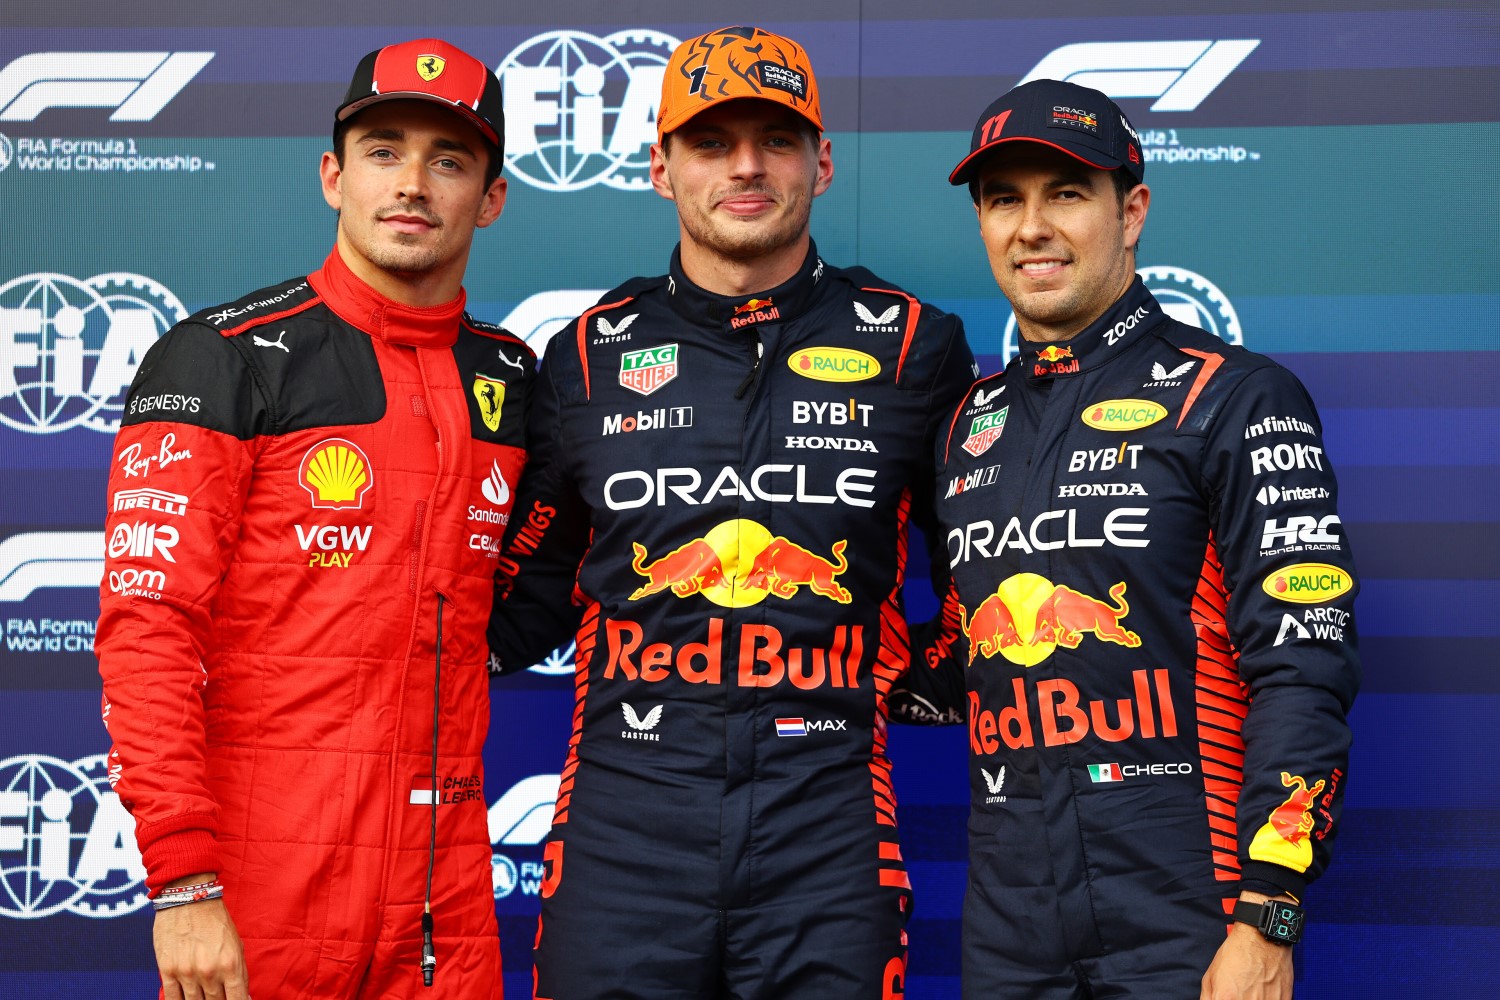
{"points": [[411, 181], [1036, 226], [746, 161]]}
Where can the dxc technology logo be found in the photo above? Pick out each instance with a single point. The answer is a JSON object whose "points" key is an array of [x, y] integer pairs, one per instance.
{"points": [[66, 842], [136, 84], [69, 348], [1179, 74], [581, 110]]}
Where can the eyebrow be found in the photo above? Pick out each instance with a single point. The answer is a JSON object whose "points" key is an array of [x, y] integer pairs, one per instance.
{"points": [[398, 135], [1068, 178]]}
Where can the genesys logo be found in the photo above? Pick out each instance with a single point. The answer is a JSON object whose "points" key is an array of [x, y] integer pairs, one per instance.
{"points": [[1184, 295], [35, 560], [1179, 74], [69, 348], [580, 109], [68, 843], [135, 85]]}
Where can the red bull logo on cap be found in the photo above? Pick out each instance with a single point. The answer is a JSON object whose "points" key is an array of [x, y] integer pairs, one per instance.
{"points": [[1028, 617], [739, 563]]}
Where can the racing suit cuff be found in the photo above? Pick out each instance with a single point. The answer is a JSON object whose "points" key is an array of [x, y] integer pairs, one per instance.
{"points": [[177, 847], [1272, 880]]}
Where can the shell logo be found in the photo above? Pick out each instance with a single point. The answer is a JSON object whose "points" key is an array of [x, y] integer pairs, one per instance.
{"points": [[336, 474], [1122, 414], [833, 364], [1307, 583]]}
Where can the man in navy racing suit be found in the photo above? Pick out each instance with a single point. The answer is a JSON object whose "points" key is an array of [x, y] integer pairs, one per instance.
{"points": [[1150, 621], [726, 458]]}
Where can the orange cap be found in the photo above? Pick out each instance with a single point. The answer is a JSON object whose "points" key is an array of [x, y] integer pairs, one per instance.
{"points": [[734, 63]]}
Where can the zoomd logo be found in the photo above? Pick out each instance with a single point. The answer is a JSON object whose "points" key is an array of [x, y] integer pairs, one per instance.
{"points": [[1185, 296], [69, 349], [66, 842], [581, 110]]}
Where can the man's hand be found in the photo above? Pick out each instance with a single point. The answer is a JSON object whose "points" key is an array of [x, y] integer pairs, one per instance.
{"points": [[198, 950], [1247, 966]]}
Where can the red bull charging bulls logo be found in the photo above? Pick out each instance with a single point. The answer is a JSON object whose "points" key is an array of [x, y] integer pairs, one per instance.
{"points": [[1028, 617], [739, 563], [1283, 838]]}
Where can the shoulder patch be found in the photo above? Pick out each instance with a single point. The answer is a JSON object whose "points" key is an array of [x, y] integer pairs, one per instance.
{"points": [[264, 306]]}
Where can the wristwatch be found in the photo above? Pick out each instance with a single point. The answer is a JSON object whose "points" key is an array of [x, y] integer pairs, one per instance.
{"points": [[1279, 921]]}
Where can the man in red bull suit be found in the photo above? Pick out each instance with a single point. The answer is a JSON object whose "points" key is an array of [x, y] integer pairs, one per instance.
{"points": [[307, 494], [1151, 606], [726, 458]]}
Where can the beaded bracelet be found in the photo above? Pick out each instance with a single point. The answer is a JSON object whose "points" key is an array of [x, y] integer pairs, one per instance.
{"points": [[183, 895]]}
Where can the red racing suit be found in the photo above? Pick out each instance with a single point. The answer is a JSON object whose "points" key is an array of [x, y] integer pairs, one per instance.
{"points": [[718, 505], [1153, 617], [306, 500]]}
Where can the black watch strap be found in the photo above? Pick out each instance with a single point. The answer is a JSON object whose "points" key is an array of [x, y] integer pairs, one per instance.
{"points": [[1279, 921]]}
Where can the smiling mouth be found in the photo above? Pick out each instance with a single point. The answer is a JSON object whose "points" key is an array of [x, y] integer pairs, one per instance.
{"points": [[1040, 265]]}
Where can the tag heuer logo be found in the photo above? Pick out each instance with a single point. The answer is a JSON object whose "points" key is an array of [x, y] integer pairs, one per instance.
{"points": [[430, 67], [985, 431], [646, 371]]}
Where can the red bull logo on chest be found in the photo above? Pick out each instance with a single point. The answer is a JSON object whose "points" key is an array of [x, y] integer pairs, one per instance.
{"points": [[1028, 617], [739, 563]]}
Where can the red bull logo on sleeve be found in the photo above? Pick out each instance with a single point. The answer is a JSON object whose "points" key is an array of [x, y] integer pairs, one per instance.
{"points": [[739, 564], [1028, 617], [1283, 840]]}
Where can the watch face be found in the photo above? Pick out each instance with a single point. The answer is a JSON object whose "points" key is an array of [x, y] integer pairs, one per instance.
{"points": [[1284, 922]]}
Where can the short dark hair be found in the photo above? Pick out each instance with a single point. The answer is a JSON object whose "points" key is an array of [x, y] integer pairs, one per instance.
{"points": [[495, 154], [1122, 181]]}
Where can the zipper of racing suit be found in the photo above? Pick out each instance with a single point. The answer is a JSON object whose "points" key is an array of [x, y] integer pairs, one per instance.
{"points": [[429, 956], [749, 383]]}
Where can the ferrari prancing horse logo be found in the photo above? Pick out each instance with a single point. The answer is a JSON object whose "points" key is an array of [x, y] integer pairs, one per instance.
{"points": [[490, 392], [430, 67]]}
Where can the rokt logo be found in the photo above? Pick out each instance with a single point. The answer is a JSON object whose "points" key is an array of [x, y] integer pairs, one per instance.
{"points": [[1183, 295], [136, 84], [66, 842], [69, 349], [581, 110], [1180, 74]]}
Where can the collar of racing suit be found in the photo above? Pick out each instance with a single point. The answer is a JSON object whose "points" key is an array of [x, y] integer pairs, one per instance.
{"points": [[361, 306], [737, 312], [1132, 314]]}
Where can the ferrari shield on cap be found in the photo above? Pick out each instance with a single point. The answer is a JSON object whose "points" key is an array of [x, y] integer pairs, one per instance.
{"points": [[1080, 121], [734, 63], [429, 69]]}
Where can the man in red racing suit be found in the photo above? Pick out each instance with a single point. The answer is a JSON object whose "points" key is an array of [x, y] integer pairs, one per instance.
{"points": [[306, 499], [725, 462], [1152, 609]]}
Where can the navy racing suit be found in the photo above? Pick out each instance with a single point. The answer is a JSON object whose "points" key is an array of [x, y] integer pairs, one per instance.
{"points": [[1151, 627], [718, 507]]}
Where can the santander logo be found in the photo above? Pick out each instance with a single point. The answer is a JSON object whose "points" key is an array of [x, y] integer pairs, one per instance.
{"points": [[495, 489]]}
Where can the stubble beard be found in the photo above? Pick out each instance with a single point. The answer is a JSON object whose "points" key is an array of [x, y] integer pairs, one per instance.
{"points": [[749, 240], [400, 253]]}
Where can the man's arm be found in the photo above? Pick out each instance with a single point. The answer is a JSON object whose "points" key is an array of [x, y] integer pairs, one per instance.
{"points": [[931, 692], [534, 610], [176, 488], [1290, 575]]}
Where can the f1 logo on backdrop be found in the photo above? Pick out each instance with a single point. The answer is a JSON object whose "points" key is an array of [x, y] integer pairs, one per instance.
{"points": [[538, 318], [581, 110], [1179, 74], [136, 84], [37, 559], [69, 349]]}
